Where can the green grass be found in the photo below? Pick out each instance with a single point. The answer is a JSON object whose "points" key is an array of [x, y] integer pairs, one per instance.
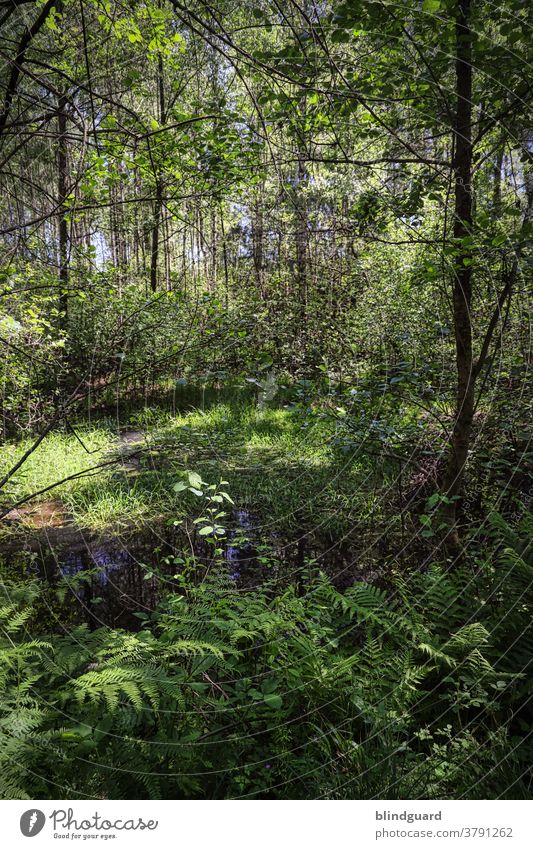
{"points": [[58, 456], [291, 475]]}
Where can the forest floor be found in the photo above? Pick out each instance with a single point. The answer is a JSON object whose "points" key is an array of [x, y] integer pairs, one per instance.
{"points": [[275, 464], [300, 499], [323, 591]]}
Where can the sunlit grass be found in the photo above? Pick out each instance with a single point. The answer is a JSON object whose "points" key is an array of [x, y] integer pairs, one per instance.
{"points": [[58, 456], [289, 473], [110, 504]]}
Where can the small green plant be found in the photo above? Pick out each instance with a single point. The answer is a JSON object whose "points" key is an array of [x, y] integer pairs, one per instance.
{"points": [[431, 518], [214, 496]]}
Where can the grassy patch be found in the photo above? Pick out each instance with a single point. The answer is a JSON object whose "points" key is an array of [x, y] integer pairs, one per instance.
{"points": [[59, 455], [290, 474]]}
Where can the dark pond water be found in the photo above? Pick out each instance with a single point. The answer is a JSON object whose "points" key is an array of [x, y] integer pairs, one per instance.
{"points": [[118, 581]]}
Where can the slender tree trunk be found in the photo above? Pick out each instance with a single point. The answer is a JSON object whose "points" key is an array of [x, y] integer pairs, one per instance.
{"points": [[154, 259], [462, 291], [497, 176], [184, 257], [224, 255], [214, 249], [158, 203], [301, 237], [62, 189], [257, 241]]}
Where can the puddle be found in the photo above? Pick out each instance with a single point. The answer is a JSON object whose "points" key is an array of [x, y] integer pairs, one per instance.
{"points": [[240, 551], [110, 579], [116, 581], [107, 581]]}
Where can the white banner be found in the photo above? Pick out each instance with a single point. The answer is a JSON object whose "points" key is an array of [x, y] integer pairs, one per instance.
{"points": [[266, 824]]}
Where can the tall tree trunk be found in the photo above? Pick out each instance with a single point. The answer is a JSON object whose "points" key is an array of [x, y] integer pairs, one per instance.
{"points": [[300, 209], [224, 255], [213, 249], [154, 259], [462, 291], [257, 241], [497, 190], [158, 203], [62, 189]]}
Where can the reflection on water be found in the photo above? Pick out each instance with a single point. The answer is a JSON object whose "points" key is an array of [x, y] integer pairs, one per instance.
{"points": [[106, 579], [119, 581], [239, 548], [115, 581], [103, 559]]}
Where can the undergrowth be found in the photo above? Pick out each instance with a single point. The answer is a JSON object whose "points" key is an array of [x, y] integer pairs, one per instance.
{"points": [[414, 691]]}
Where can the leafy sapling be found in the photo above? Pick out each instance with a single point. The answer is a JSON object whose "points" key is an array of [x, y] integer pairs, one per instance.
{"points": [[209, 525]]}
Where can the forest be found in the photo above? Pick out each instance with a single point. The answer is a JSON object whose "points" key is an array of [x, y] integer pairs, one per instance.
{"points": [[265, 463]]}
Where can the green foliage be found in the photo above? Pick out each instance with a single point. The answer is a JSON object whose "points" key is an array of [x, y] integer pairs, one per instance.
{"points": [[237, 230], [414, 691]]}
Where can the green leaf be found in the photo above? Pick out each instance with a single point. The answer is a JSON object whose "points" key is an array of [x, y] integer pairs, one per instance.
{"points": [[265, 361], [273, 700], [194, 479], [207, 529], [431, 6]]}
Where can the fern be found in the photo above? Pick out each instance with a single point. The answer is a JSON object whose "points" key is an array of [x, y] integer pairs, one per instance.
{"points": [[367, 692]]}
